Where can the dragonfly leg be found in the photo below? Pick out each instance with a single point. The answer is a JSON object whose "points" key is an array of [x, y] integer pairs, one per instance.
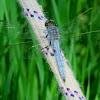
{"points": [[44, 47], [64, 80], [46, 35]]}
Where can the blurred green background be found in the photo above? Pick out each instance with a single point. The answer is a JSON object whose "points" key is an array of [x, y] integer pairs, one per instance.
{"points": [[32, 78]]}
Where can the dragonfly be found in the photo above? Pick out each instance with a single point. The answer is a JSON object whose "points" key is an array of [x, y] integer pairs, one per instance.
{"points": [[74, 32], [53, 38]]}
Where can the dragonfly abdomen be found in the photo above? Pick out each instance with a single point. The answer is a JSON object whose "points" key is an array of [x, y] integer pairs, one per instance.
{"points": [[59, 59]]}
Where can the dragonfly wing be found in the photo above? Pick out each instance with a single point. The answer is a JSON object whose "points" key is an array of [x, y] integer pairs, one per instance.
{"points": [[78, 31], [81, 22], [27, 50], [22, 37], [19, 31]]}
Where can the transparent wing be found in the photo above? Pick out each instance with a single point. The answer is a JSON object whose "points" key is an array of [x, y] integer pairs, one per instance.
{"points": [[74, 33], [80, 23], [20, 37], [80, 31]]}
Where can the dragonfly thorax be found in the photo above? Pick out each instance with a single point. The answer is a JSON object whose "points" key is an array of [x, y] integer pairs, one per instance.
{"points": [[53, 32]]}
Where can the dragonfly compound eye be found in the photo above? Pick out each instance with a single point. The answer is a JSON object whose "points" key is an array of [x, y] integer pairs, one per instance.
{"points": [[49, 23]]}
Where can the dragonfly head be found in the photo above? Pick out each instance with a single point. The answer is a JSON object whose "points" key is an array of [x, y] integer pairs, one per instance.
{"points": [[49, 23]]}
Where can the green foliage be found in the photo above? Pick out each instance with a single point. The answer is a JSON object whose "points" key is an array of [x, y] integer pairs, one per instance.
{"points": [[31, 79]]}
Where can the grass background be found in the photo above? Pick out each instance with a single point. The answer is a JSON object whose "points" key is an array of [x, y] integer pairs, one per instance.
{"points": [[32, 78]]}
